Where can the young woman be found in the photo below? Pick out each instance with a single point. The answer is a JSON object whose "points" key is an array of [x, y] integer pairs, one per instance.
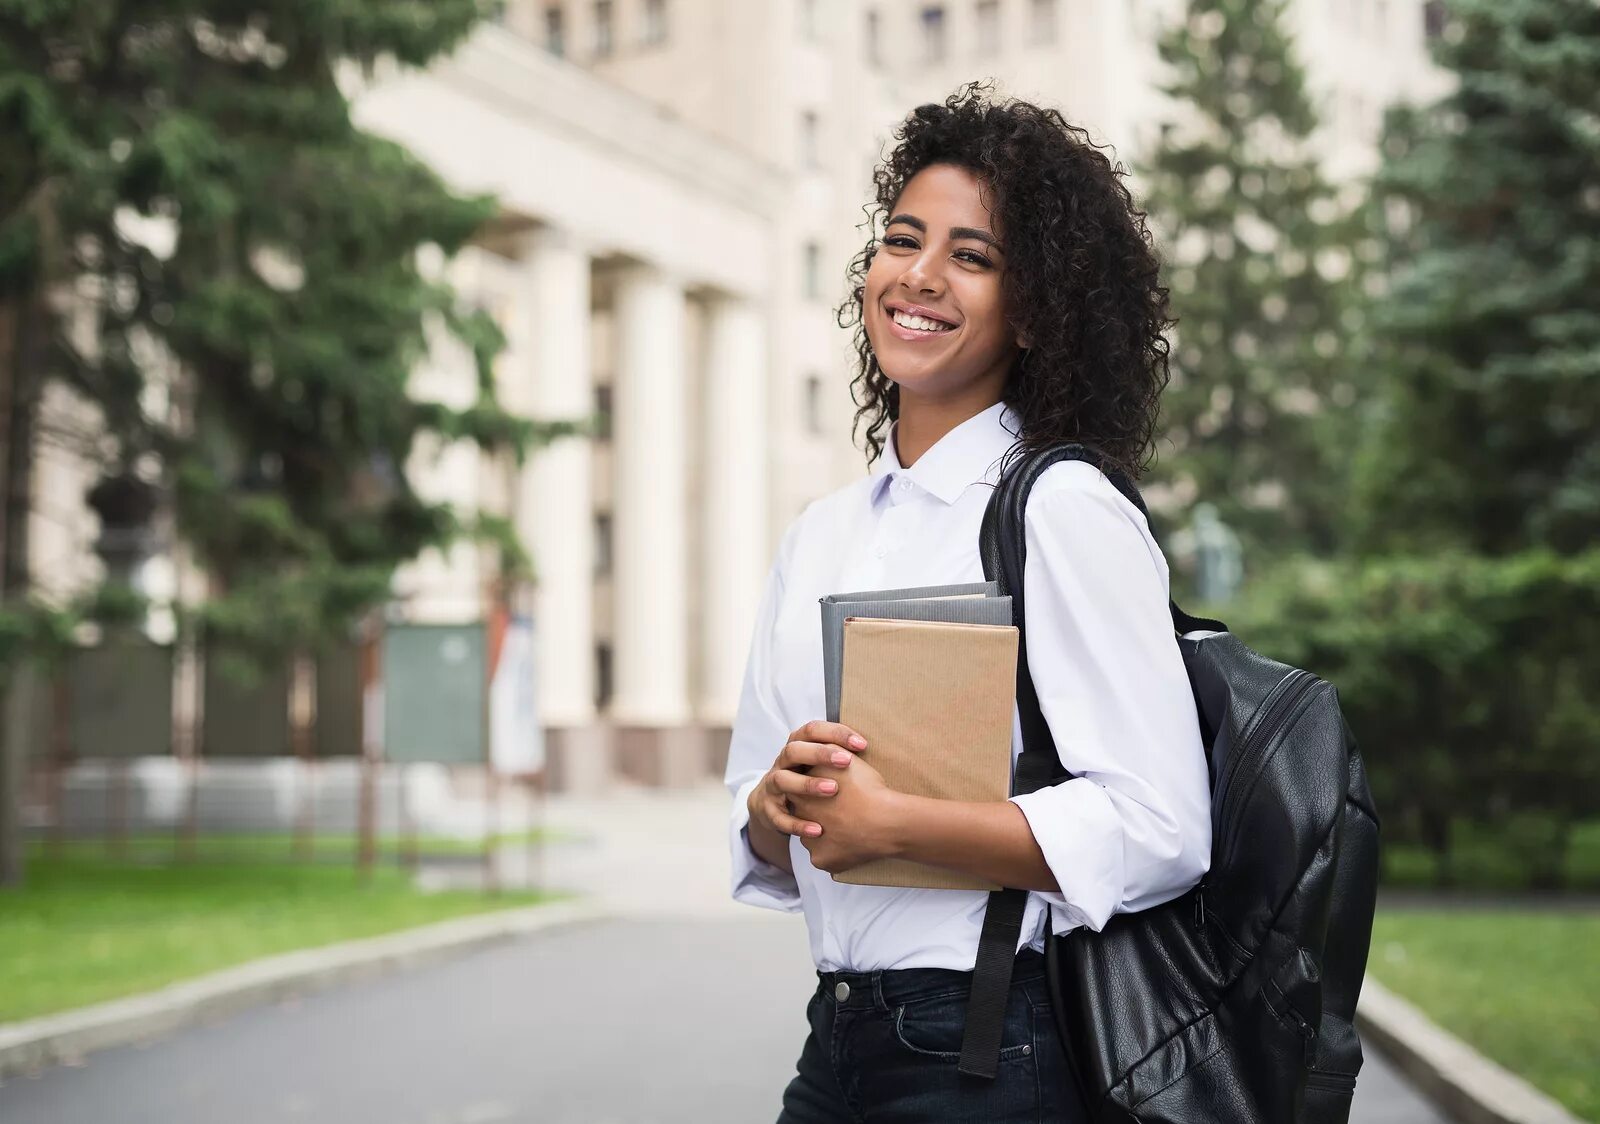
{"points": [[1013, 300]]}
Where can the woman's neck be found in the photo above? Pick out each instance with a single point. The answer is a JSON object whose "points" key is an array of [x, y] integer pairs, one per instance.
{"points": [[921, 423]]}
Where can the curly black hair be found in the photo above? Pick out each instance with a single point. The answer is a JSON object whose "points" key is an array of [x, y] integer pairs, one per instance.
{"points": [[1081, 284]]}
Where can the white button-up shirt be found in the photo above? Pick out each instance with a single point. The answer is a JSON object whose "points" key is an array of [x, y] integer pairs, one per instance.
{"points": [[1131, 830]]}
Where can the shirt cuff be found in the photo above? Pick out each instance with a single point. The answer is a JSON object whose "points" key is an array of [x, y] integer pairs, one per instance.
{"points": [[755, 880], [1080, 834]]}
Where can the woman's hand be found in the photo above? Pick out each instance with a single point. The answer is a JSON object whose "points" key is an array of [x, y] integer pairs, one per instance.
{"points": [[819, 790], [859, 822], [816, 744]]}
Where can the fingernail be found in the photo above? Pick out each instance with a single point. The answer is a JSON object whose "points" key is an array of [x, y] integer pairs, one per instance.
{"points": [[841, 758], [828, 786], [858, 741], [813, 829]]}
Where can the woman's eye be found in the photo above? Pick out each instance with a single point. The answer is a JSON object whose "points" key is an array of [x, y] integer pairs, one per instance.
{"points": [[965, 255]]}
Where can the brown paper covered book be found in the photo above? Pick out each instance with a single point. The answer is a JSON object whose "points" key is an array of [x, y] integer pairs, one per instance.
{"points": [[934, 700]]}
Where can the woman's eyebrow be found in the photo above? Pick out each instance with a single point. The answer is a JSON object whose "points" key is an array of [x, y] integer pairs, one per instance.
{"points": [[955, 231]]}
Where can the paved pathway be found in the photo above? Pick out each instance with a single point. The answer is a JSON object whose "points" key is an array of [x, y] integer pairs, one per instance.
{"points": [[688, 1009]]}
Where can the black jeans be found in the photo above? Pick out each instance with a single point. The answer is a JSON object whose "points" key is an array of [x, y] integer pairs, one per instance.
{"points": [[884, 1046]]}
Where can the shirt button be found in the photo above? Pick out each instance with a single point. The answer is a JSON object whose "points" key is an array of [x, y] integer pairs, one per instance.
{"points": [[880, 552], [841, 991]]}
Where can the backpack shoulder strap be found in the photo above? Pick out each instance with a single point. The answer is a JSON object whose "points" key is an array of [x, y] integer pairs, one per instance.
{"points": [[1002, 546]]}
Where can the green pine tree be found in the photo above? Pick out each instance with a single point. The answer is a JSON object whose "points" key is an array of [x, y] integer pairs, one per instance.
{"points": [[1490, 434], [1481, 472], [197, 241], [1258, 247]]}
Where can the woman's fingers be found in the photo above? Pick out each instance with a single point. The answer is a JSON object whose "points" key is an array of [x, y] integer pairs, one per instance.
{"points": [[798, 753], [790, 783], [796, 826], [775, 809], [816, 743], [818, 730]]}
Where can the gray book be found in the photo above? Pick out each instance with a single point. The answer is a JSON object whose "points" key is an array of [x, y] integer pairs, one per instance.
{"points": [[973, 603]]}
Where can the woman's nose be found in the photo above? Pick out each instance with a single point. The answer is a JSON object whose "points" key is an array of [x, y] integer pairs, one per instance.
{"points": [[919, 275]]}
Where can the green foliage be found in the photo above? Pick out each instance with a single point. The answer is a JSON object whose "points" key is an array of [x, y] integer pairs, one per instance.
{"points": [[1459, 626], [1467, 681], [32, 628], [1457, 618], [1263, 278], [252, 262], [1490, 434], [36, 629], [1501, 857]]}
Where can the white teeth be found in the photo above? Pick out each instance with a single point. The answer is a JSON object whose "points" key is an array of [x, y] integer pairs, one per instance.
{"points": [[921, 323]]}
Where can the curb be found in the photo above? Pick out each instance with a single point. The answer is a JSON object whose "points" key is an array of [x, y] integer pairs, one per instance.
{"points": [[64, 1038], [1466, 1085]]}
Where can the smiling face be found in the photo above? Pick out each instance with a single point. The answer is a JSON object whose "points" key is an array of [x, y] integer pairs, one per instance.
{"points": [[937, 271]]}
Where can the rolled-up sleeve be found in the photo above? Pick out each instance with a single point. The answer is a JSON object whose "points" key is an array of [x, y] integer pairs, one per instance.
{"points": [[758, 733], [1132, 828]]}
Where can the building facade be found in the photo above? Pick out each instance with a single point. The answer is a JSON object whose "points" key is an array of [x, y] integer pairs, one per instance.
{"points": [[682, 185]]}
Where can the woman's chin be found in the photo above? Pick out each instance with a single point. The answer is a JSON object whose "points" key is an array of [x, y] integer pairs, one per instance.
{"points": [[915, 377]]}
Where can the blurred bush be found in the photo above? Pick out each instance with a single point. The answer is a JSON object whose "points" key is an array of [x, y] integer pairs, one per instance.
{"points": [[1470, 683]]}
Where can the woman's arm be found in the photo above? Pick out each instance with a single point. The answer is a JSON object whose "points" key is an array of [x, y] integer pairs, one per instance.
{"points": [[990, 839], [769, 845], [762, 874], [1132, 828]]}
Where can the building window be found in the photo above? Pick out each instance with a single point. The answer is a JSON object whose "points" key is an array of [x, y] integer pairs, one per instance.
{"points": [[874, 45], [602, 28], [602, 411], [933, 34], [554, 38], [602, 675], [602, 545], [654, 31], [988, 27], [1433, 18], [813, 271], [813, 405], [808, 140], [1044, 22], [807, 13]]}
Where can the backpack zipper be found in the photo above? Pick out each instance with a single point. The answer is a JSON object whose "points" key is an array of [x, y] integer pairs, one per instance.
{"points": [[1275, 716]]}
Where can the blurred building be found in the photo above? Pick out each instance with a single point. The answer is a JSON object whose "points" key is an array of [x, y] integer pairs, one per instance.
{"points": [[683, 184]]}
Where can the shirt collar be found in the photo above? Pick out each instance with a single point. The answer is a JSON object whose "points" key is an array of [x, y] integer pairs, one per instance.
{"points": [[968, 454]]}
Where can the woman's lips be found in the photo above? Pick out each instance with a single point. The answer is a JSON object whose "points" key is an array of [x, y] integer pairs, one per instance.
{"points": [[912, 334]]}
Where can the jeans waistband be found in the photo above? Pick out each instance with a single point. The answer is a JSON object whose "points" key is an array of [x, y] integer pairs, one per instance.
{"points": [[889, 987]]}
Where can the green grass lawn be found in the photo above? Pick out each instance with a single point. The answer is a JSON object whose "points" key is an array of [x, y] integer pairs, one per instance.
{"points": [[86, 928], [274, 847], [1521, 986]]}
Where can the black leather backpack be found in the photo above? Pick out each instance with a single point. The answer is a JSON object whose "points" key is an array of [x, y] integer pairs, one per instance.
{"points": [[1233, 1002]]}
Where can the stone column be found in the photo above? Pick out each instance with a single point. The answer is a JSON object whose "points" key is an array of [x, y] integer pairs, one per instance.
{"points": [[555, 516], [445, 586], [650, 710], [734, 506]]}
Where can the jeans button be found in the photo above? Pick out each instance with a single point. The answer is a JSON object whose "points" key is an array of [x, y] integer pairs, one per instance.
{"points": [[841, 991]]}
